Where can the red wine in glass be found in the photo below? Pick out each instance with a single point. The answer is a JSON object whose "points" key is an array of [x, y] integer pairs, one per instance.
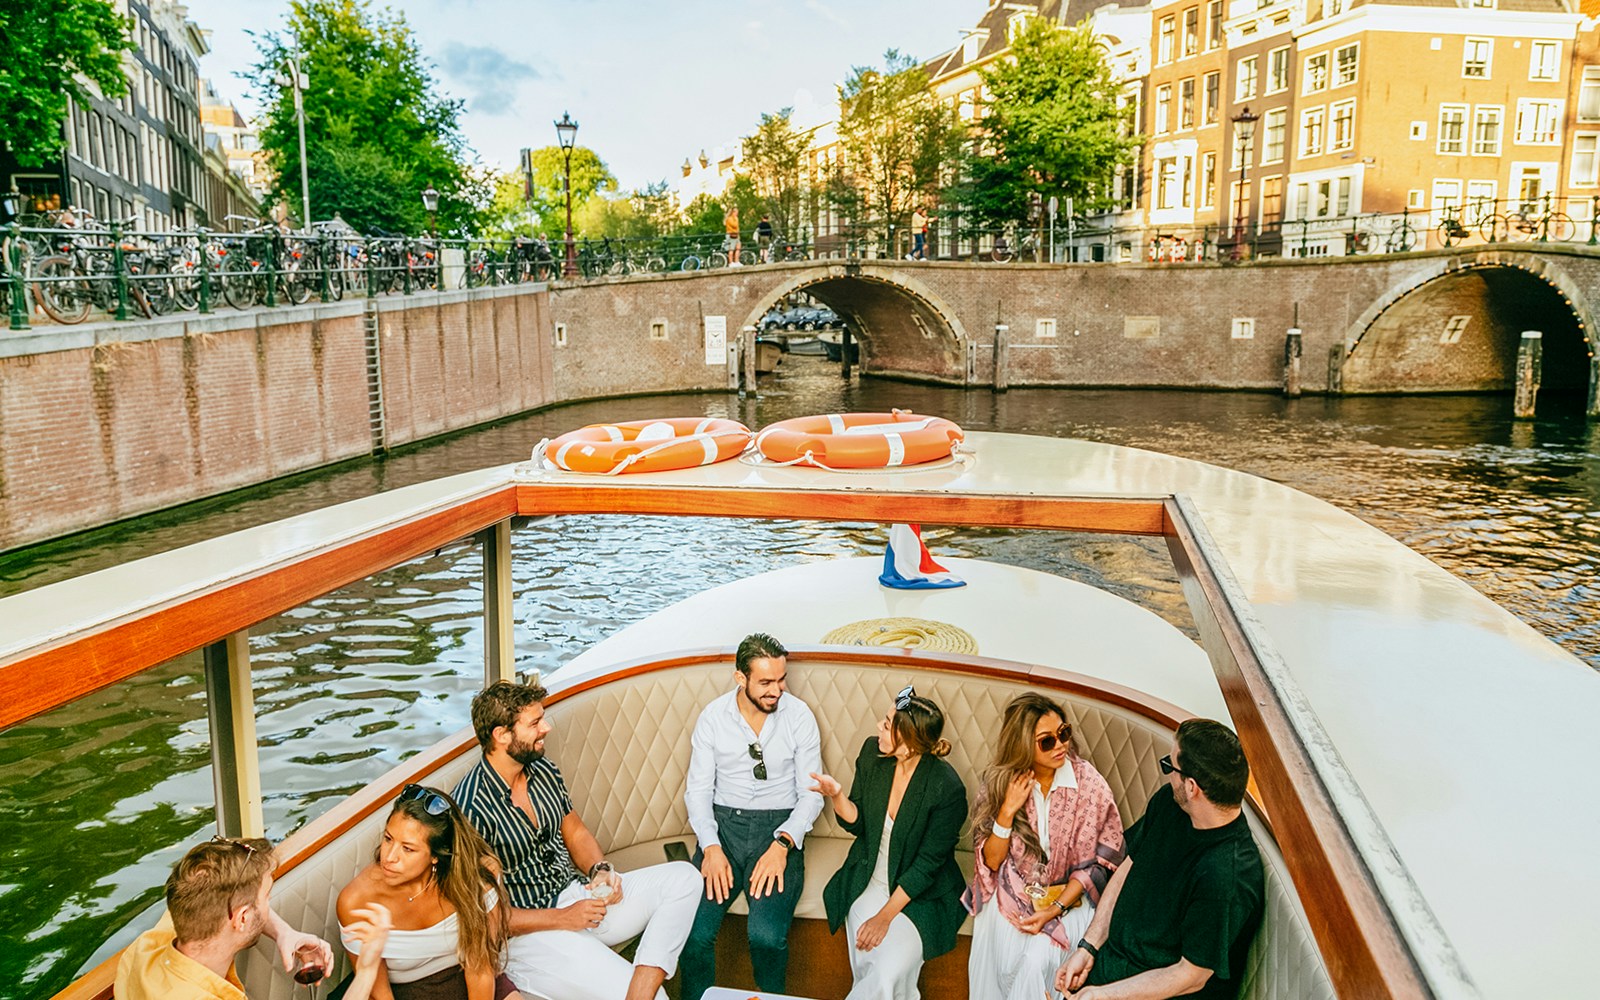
{"points": [[310, 975]]}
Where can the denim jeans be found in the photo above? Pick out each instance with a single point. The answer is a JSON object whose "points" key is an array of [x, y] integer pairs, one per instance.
{"points": [[745, 835]]}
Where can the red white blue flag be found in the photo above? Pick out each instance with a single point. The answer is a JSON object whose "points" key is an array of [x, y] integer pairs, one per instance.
{"points": [[908, 566]]}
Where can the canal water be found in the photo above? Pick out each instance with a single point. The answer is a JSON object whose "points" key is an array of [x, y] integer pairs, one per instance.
{"points": [[100, 797]]}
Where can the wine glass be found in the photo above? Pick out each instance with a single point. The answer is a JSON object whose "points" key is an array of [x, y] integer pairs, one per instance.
{"points": [[600, 888], [1036, 883], [309, 971]]}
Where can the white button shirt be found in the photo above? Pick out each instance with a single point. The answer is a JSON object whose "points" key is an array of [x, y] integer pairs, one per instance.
{"points": [[721, 770]]}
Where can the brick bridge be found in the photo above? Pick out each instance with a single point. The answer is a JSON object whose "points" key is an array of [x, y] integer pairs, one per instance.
{"points": [[1440, 321]]}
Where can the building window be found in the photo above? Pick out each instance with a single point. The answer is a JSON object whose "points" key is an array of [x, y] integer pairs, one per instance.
{"points": [[1480, 200], [1163, 108], [1244, 328], [1344, 125], [1342, 206], [1344, 64], [658, 329], [1214, 25], [1585, 161], [1487, 122], [1169, 31], [1278, 70], [1213, 99], [1452, 125], [1313, 123], [1274, 124], [1272, 203], [1589, 95], [1316, 73], [1475, 58], [1208, 180], [1015, 23], [1191, 31], [1446, 197], [1186, 103], [1245, 79], [1167, 183], [1544, 61], [1538, 122], [1333, 8], [561, 335]]}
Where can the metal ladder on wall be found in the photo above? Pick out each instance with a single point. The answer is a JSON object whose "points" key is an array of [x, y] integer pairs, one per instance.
{"points": [[380, 439]]}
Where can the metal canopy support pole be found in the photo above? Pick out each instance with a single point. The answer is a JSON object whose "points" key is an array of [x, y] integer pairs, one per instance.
{"points": [[235, 763], [499, 641]]}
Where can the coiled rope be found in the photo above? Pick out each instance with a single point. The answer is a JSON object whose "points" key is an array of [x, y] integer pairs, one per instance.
{"points": [[904, 633]]}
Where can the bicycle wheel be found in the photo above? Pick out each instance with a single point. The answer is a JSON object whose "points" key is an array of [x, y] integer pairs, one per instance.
{"points": [[1001, 254], [296, 288], [1559, 227], [1448, 233], [655, 265], [335, 284], [1402, 237], [717, 259], [749, 257], [60, 291], [690, 263], [1520, 228], [1493, 228], [238, 288]]}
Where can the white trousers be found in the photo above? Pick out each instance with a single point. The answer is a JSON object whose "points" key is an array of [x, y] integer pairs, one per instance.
{"points": [[1007, 964], [889, 971], [659, 902]]}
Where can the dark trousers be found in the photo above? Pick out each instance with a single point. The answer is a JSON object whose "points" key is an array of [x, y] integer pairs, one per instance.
{"points": [[745, 834]]}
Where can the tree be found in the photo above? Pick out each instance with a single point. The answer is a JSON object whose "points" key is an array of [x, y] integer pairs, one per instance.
{"points": [[377, 131], [899, 141], [1053, 125], [47, 44], [773, 156], [590, 177]]}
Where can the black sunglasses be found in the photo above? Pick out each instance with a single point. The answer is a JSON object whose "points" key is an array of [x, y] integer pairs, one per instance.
{"points": [[1048, 741], [1168, 767], [903, 699], [760, 770], [433, 803]]}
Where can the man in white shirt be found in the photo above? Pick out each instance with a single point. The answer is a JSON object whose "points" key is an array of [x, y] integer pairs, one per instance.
{"points": [[750, 804]]}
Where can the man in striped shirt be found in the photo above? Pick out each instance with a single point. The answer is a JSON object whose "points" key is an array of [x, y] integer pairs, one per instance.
{"points": [[569, 906]]}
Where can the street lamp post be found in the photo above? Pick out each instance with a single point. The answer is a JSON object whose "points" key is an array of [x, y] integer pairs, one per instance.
{"points": [[430, 201], [298, 80], [567, 133], [1244, 128]]}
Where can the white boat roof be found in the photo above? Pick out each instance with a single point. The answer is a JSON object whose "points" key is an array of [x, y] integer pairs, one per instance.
{"points": [[1011, 613], [1469, 734]]}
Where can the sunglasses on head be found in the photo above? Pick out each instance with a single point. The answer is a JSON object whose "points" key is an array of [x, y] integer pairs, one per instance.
{"points": [[903, 699], [233, 842], [1047, 741], [433, 803], [760, 770]]}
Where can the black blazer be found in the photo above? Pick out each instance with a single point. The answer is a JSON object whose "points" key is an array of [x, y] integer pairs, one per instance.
{"points": [[922, 858]]}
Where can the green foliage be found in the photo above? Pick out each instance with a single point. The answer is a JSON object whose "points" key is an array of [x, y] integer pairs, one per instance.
{"points": [[590, 177], [704, 214], [1054, 125], [899, 142], [47, 43], [377, 131], [773, 155]]}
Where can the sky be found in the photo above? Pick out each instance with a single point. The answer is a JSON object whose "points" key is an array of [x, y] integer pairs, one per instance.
{"points": [[650, 82]]}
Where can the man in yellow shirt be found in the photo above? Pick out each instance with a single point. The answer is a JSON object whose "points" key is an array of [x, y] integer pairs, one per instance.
{"points": [[217, 906]]}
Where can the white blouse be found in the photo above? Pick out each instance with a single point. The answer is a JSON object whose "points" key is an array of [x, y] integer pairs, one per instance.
{"points": [[414, 955]]}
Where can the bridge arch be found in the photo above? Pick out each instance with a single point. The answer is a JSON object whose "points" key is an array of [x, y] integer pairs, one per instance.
{"points": [[1454, 323], [904, 327]]}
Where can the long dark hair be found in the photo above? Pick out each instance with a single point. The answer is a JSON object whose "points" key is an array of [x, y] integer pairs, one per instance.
{"points": [[465, 868], [1013, 753], [918, 726]]}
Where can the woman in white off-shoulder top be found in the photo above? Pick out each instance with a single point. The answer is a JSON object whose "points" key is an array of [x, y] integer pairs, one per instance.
{"points": [[441, 883]]}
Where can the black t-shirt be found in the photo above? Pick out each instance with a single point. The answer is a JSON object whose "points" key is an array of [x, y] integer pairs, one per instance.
{"points": [[1194, 894], [764, 229]]}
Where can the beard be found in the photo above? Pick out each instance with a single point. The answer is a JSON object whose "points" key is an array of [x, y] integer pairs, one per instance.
{"points": [[759, 706], [524, 753]]}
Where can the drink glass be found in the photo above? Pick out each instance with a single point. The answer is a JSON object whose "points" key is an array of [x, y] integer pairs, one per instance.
{"points": [[1035, 882], [309, 972], [600, 889]]}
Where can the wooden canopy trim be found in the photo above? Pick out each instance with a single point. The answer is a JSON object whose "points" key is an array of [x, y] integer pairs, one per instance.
{"points": [[1356, 931], [103, 653], [1101, 515]]}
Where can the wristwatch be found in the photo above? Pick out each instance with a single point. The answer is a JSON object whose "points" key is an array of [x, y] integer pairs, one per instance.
{"points": [[1091, 949], [783, 838], [598, 867]]}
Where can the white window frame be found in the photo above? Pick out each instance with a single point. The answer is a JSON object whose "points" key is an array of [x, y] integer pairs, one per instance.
{"points": [[1478, 112], [1527, 133], [1419, 131], [1589, 94], [1592, 139], [1244, 328], [1277, 55], [1349, 141], [1308, 83], [658, 329], [1166, 40], [1313, 145], [1467, 64], [1333, 70], [1480, 200], [561, 335], [1552, 72], [1240, 78], [1280, 116], [1207, 194], [1044, 329], [1210, 113], [1462, 138], [1162, 118]]}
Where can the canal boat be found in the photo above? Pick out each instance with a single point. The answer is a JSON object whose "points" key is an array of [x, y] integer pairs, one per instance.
{"points": [[1420, 758]]}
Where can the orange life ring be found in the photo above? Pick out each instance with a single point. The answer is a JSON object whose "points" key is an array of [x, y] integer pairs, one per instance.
{"points": [[646, 445], [860, 440]]}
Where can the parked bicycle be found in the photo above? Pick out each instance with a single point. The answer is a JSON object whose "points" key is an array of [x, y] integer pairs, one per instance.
{"points": [[1528, 223]]}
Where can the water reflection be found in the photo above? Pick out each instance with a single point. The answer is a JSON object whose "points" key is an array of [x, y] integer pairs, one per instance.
{"points": [[100, 797]]}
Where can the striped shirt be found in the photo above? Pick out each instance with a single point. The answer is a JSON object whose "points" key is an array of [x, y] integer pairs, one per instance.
{"points": [[537, 865]]}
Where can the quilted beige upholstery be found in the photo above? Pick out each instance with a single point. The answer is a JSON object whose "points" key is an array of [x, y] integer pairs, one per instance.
{"points": [[624, 747]]}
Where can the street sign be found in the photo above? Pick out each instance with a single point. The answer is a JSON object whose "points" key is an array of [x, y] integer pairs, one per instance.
{"points": [[1054, 204]]}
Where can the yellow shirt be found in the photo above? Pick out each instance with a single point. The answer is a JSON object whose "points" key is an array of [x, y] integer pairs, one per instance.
{"points": [[152, 969]]}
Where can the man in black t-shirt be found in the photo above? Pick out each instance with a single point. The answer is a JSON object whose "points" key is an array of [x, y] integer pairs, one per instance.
{"points": [[1179, 915]]}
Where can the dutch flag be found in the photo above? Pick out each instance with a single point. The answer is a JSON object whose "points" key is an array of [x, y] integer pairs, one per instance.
{"points": [[908, 566]]}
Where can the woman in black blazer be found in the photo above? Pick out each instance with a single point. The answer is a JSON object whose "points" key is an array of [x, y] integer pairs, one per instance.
{"points": [[899, 892]]}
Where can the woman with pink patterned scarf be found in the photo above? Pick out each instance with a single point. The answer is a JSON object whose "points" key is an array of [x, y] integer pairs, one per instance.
{"points": [[1036, 883]]}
